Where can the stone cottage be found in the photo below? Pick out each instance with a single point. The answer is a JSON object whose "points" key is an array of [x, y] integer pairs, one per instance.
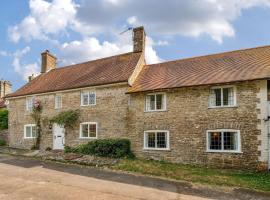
{"points": [[208, 110]]}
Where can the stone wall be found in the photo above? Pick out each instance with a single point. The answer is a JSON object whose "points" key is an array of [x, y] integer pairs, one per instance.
{"points": [[188, 118], [110, 112]]}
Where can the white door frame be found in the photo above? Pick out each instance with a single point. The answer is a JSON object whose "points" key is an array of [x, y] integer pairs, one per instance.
{"points": [[58, 137]]}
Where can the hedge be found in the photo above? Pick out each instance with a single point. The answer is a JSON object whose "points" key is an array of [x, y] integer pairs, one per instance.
{"points": [[115, 148], [2, 142], [3, 119]]}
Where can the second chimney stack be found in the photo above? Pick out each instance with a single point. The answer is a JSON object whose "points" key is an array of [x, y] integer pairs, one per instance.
{"points": [[48, 61], [138, 39]]}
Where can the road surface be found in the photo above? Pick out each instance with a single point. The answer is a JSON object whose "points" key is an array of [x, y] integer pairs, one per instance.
{"points": [[25, 178]]}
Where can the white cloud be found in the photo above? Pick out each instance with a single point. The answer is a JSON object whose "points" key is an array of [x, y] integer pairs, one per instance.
{"points": [[191, 18], [3, 53], [45, 19], [24, 70], [91, 48]]}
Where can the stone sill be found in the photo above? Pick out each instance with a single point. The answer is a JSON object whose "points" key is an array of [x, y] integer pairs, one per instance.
{"points": [[220, 107], [226, 152], [155, 149]]}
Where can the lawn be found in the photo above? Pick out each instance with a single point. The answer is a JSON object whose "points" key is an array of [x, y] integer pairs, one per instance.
{"points": [[203, 175]]}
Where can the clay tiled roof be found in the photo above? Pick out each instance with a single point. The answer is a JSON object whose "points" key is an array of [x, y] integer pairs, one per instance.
{"points": [[115, 69], [241, 65], [2, 103]]}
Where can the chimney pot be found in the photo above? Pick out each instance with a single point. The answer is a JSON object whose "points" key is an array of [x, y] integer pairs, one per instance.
{"points": [[30, 78], [48, 61]]}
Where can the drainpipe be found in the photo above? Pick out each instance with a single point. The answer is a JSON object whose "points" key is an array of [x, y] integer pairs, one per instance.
{"points": [[268, 151], [268, 133]]}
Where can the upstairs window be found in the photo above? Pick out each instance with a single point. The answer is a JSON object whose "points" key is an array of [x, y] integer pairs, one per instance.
{"points": [[155, 102], [58, 101], [223, 141], [30, 103], [30, 131], [88, 98], [88, 130], [222, 97]]}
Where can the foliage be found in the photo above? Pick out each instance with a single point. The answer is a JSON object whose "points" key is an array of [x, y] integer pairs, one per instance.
{"points": [[36, 115], [66, 118], [115, 148], [198, 174], [2, 142], [3, 119]]}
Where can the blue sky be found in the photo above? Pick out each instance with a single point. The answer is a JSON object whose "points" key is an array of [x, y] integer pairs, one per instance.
{"points": [[81, 30]]}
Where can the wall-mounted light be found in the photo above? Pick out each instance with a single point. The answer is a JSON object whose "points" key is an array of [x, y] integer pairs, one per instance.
{"points": [[50, 126]]}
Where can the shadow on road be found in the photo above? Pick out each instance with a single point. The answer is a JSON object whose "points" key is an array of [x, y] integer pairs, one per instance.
{"points": [[156, 183]]}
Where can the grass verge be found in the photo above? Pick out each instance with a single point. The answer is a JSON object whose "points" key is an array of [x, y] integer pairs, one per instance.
{"points": [[202, 175]]}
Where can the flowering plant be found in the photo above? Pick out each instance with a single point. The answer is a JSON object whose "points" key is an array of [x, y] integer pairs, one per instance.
{"points": [[37, 105]]}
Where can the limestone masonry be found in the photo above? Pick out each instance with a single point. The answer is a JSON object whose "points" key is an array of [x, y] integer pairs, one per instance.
{"points": [[210, 110]]}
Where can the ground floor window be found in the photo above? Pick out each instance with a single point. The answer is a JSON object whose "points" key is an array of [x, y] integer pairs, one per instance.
{"points": [[30, 131], [88, 130], [156, 139], [223, 140]]}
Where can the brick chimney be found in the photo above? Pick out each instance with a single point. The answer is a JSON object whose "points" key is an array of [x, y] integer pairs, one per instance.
{"points": [[138, 39], [5, 88], [48, 61]]}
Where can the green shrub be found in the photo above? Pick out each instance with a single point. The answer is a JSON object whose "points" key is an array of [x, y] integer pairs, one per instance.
{"points": [[115, 148], [3, 119], [2, 142]]}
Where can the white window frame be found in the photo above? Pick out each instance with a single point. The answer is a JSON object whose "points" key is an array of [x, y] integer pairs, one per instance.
{"points": [[29, 125], [89, 92], [56, 106], [156, 131], [88, 123], [155, 110], [26, 103], [223, 106], [222, 141]]}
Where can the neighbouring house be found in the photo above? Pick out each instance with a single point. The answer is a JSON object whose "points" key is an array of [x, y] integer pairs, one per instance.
{"points": [[208, 110], [5, 88]]}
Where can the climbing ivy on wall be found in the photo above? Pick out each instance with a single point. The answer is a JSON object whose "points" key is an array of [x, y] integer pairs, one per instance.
{"points": [[36, 115], [66, 118]]}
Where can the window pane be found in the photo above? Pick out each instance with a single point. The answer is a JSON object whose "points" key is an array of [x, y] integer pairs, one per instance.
{"points": [[152, 102], [85, 98], [84, 130], [147, 103], [151, 140], [34, 131], [230, 140], [58, 101], [215, 141], [212, 98], [161, 140], [159, 101], [93, 130], [92, 98], [28, 131], [29, 103], [228, 98], [217, 96]]}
